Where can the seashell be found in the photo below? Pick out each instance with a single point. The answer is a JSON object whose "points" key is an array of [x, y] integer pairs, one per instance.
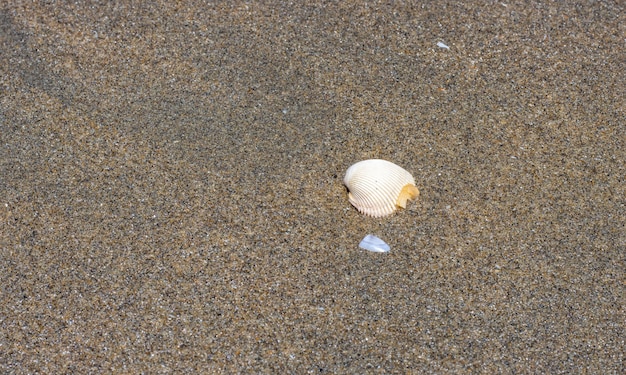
{"points": [[378, 187], [375, 244]]}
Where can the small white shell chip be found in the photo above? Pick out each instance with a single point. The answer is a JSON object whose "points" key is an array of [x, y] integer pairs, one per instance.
{"points": [[441, 45], [375, 244]]}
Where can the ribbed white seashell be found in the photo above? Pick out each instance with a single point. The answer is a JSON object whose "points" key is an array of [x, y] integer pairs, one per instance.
{"points": [[373, 243], [377, 187]]}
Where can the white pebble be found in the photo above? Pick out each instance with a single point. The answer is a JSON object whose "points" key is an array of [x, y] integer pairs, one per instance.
{"points": [[439, 44]]}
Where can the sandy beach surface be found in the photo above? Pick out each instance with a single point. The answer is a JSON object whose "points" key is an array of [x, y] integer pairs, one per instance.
{"points": [[171, 195]]}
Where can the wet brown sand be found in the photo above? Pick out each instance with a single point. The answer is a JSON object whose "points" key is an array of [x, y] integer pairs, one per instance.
{"points": [[171, 193]]}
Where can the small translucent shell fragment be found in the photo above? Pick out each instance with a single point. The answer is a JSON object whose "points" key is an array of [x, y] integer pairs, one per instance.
{"points": [[378, 187], [374, 244]]}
